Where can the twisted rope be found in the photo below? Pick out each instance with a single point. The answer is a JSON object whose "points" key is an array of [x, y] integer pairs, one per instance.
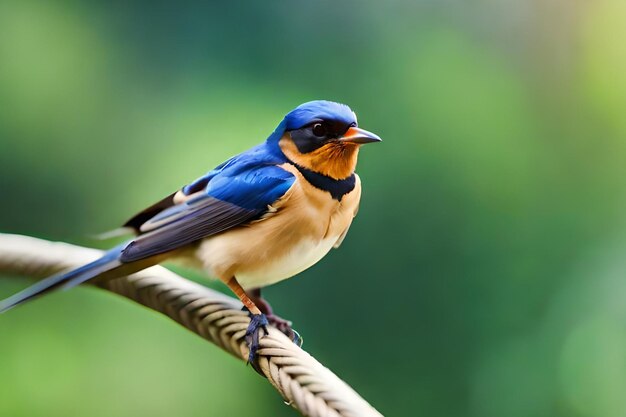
{"points": [[303, 382]]}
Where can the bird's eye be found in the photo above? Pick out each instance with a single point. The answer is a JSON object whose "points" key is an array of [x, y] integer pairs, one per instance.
{"points": [[319, 130]]}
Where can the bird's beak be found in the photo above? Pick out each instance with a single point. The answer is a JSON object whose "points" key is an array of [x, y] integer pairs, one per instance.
{"points": [[359, 136]]}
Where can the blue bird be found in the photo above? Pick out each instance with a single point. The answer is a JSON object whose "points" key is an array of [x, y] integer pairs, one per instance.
{"points": [[262, 216]]}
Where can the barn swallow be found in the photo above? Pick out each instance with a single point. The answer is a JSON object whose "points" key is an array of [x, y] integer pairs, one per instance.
{"points": [[262, 216]]}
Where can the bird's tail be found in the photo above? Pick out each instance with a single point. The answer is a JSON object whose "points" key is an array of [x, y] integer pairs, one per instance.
{"points": [[108, 265]]}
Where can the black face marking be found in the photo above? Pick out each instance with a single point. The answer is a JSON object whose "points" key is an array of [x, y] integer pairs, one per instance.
{"points": [[336, 188], [317, 133]]}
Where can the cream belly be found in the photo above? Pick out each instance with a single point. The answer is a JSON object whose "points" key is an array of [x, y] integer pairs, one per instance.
{"points": [[260, 263], [300, 257]]}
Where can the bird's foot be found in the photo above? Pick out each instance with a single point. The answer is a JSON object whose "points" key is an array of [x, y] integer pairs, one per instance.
{"points": [[281, 324], [258, 322], [285, 327]]}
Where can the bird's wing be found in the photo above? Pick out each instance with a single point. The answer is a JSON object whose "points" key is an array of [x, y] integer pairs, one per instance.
{"points": [[137, 221], [146, 214], [230, 198]]}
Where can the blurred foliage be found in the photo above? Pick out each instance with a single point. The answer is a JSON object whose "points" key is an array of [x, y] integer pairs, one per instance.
{"points": [[484, 275]]}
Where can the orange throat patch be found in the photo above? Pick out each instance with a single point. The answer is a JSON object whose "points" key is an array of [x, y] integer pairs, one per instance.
{"points": [[335, 159]]}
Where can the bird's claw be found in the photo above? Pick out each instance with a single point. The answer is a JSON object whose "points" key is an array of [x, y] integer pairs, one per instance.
{"points": [[285, 327], [258, 322]]}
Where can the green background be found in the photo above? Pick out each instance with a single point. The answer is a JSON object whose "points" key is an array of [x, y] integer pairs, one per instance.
{"points": [[484, 275]]}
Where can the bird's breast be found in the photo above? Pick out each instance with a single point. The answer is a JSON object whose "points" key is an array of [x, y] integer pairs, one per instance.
{"points": [[295, 234]]}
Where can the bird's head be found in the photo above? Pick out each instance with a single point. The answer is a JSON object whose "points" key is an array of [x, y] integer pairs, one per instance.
{"points": [[323, 136]]}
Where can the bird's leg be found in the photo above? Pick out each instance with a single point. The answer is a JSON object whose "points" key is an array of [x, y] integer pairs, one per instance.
{"points": [[281, 324], [258, 321]]}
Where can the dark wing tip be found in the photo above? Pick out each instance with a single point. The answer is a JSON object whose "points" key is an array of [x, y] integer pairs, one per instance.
{"points": [[143, 216]]}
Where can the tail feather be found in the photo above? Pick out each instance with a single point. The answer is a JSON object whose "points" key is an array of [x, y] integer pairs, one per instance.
{"points": [[65, 280]]}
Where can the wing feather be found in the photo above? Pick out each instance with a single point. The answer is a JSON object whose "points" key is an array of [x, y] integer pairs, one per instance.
{"points": [[229, 200], [187, 226]]}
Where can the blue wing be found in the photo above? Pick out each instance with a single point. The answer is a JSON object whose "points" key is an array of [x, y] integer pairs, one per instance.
{"points": [[260, 156], [236, 192]]}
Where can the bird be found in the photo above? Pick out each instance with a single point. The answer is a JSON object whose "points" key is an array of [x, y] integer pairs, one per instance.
{"points": [[260, 217]]}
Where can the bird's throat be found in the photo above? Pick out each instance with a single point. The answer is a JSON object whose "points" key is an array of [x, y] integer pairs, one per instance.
{"points": [[335, 159]]}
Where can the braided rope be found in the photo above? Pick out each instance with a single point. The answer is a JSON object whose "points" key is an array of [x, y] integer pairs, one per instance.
{"points": [[303, 382]]}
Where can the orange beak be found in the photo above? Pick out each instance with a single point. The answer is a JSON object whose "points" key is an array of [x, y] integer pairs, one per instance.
{"points": [[359, 136]]}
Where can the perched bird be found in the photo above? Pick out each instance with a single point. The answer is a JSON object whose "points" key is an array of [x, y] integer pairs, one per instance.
{"points": [[264, 215]]}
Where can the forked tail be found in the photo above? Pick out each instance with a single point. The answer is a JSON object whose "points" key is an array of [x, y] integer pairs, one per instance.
{"points": [[65, 280]]}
